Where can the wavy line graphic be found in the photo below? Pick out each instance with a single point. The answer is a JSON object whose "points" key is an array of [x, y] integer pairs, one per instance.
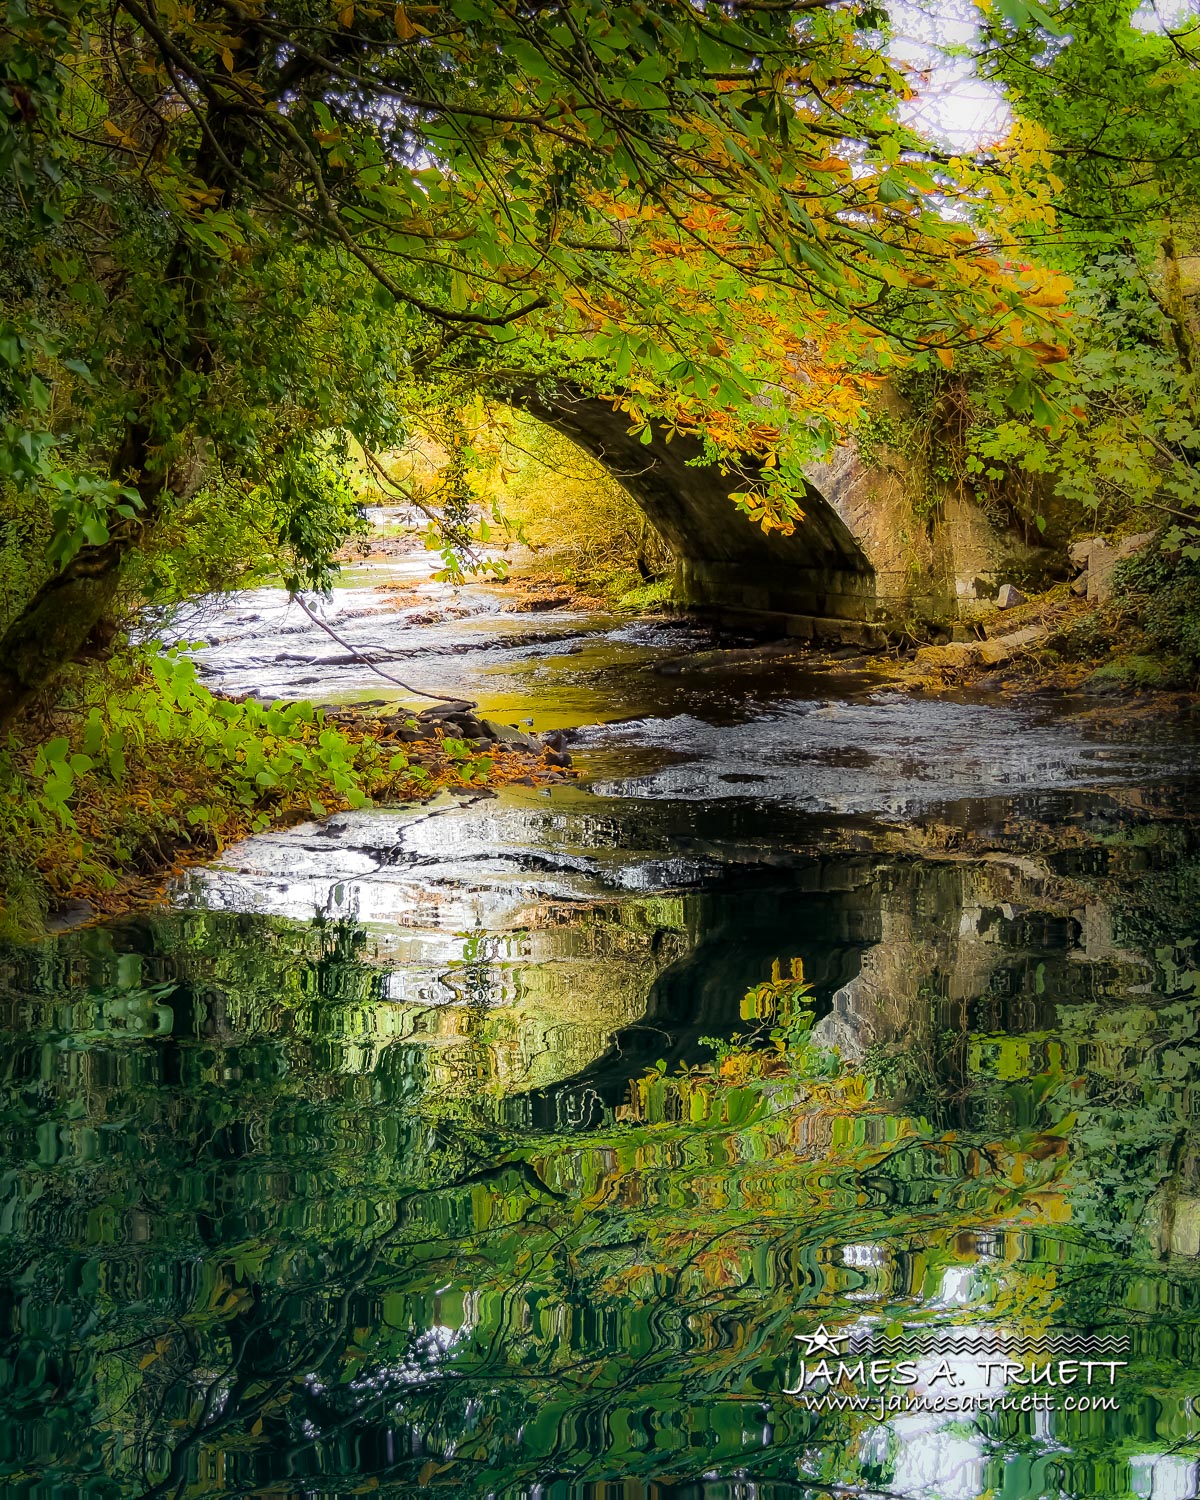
{"points": [[932, 1343]]}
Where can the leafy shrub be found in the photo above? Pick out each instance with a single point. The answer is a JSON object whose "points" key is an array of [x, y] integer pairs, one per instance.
{"points": [[25, 533], [1165, 590], [1085, 639]]}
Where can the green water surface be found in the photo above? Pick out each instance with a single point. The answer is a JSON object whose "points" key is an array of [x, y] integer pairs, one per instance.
{"points": [[268, 1231]]}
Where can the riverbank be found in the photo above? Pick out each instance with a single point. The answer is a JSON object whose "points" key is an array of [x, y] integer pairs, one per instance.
{"points": [[532, 590], [122, 790], [116, 792], [1119, 658]]}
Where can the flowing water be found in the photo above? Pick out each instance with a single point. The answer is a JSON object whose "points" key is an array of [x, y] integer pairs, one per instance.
{"points": [[803, 1103]]}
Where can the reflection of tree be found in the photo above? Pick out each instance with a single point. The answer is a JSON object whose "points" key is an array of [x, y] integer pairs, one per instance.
{"points": [[236, 1265]]}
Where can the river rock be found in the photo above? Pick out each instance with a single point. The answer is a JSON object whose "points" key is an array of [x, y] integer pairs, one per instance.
{"points": [[69, 914], [993, 652], [467, 727], [508, 735], [1010, 596], [1080, 551], [445, 711], [989, 653], [951, 654], [454, 719], [536, 603]]}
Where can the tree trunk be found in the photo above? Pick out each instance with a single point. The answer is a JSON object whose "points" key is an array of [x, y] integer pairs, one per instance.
{"points": [[1183, 332], [68, 607], [56, 623]]}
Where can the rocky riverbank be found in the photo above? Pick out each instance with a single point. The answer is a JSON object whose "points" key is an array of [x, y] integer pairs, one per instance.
{"points": [[439, 737]]}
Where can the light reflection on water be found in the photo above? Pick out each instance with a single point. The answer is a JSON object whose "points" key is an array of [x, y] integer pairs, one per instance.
{"points": [[494, 1148]]}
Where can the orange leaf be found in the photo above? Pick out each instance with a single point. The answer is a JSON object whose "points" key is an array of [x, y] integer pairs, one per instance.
{"points": [[1048, 354], [405, 29], [946, 356]]}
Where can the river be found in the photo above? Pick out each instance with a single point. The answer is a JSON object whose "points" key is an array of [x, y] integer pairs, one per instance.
{"points": [[543, 1142]]}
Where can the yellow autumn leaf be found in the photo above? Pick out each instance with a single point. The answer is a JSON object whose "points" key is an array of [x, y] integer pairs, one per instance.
{"points": [[405, 29], [120, 135]]}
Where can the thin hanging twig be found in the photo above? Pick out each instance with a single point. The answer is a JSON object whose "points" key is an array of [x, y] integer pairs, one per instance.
{"points": [[366, 660]]}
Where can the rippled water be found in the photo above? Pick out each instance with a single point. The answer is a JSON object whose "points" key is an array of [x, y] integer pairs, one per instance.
{"points": [[519, 1145]]}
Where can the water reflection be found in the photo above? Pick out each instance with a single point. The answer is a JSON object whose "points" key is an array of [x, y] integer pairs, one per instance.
{"points": [[298, 1207], [507, 1146]]}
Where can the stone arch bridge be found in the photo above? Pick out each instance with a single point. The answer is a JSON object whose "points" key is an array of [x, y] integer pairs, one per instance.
{"points": [[859, 567]]}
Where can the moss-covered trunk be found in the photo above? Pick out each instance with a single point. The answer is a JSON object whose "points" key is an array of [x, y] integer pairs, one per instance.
{"points": [[70, 607], [55, 626]]}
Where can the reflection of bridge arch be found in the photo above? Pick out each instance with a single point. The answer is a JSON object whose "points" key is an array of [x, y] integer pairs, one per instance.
{"points": [[915, 958], [819, 577], [830, 914]]}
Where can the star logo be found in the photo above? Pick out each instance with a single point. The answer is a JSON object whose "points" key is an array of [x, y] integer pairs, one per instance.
{"points": [[822, 1342]]}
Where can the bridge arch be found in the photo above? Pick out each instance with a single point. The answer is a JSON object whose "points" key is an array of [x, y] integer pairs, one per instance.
{"points": [[818, 581]]}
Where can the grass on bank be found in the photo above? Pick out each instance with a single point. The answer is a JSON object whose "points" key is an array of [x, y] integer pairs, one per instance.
{"points": [[144, 769]]}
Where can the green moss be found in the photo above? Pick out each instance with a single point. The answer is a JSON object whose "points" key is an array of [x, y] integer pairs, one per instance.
{"points": [[646, 596], [1136, 672]]}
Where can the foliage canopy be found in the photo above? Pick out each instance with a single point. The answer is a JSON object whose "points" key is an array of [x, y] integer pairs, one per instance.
{"points": [[687, 207]]}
